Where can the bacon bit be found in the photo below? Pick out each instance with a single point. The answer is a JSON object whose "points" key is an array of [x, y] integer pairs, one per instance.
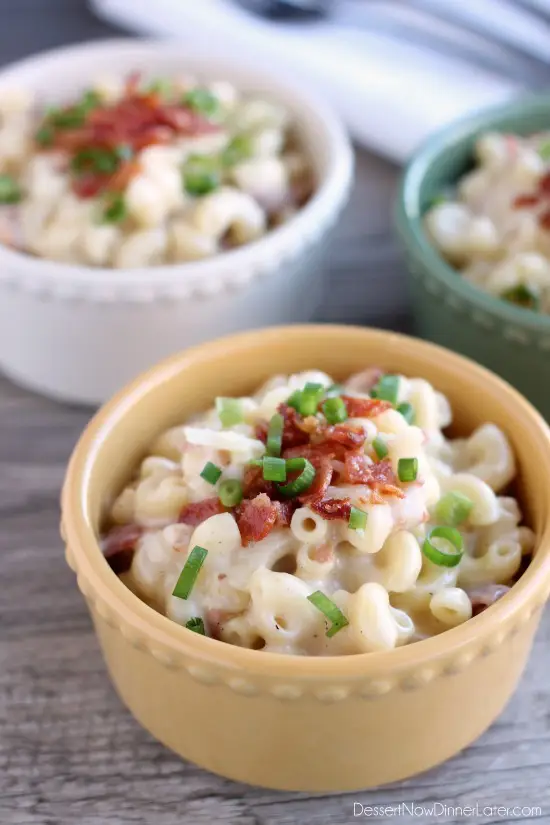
{"points": [[310, 425], [349, 437], [525, 201], [293, 434], [124, 175], [322, 553], [357, 470], [285, 511], [544, 220], [364, 381], [544, 184], [383, 479], [332, 508], [365, 407], [484, 597], [321, 482], [198, 511], [119, 544], [89, 185], [312, 451], [222, 576], [256, 518], [254, 483]]}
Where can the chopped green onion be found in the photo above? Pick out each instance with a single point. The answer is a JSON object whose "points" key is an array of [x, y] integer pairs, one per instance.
{"points": [[407, 411], [191, 570], [407, 469], [44, 135], [124, 151], [304, 480], [357, 519], [196, 624], [201, 175], [274, 440], [334, 410], [387, 389], [115, 209], [441, 557], [90, 100], [274, 469], [230, 492], [202, 100], [294, 400], [380, 447], [331, 612], [544, 150], [453, 508], [230, 411], [96, 159], [210, 472], [161, 86], [237, 150], [309, 399], [523, 296], [10, 191]]}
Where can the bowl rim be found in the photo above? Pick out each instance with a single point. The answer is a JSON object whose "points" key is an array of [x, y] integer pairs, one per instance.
{"points": [[408, 217], [95, 576], [329, 195]]}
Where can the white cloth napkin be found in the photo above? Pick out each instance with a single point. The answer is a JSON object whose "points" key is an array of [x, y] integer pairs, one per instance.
{"points": [[390, 93]]}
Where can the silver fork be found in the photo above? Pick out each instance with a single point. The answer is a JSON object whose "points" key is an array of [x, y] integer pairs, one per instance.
{"points": [[510, 59]]}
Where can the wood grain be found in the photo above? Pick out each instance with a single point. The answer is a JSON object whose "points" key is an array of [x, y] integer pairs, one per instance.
{"points": [[70, 754]]}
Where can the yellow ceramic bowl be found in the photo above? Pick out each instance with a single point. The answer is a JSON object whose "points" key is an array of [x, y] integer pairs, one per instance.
{"points": [[304, 723]]}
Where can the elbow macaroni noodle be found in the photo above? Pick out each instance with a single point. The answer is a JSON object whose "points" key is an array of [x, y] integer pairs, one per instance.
{"points": [[378, 576]]}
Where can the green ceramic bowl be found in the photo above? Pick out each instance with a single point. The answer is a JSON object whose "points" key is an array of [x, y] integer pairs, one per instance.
{"points": [[512, 341]]}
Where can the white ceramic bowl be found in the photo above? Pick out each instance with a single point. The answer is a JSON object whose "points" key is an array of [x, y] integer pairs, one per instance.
{"points": [[80, 333]]}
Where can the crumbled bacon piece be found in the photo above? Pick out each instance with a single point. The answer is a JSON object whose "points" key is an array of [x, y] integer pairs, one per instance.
{"points": [[525, 201], [293, 433], [198, 511], [323, 477], [484, 597], [89, 185], [357, 469], [365, 407], [119, 544], [285, 511], [349, 437], [383, 479], [332, 508], [544, 184], [256, 518], [544, 219], [254, 483]]}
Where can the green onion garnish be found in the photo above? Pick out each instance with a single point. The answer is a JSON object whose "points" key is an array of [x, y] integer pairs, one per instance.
{"points": [[10, 191], [210, 472], [304, 480], [196, 624], [387, 389], [523, 296], [115, 210], [274, 469], [44, 135], [274, 440], [309, 399], [201, 175], [230, 492], [96, 159], [230, 411], [69, 118], [544, 150], [334, 410], [330, 611], [334, 389], [407, 411], [161, 86], [237, 150], [201, 100], [294, 400], [357, 519], [441, 557], [407, 469], [453, 508], [191, 570], [380, 447]]}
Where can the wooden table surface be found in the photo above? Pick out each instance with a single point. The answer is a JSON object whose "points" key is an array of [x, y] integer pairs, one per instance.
{"points": [[70, 754]]}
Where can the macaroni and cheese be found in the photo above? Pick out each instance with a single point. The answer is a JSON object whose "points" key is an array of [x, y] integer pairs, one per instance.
{"points": [[141, 172], [321, 519]]}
